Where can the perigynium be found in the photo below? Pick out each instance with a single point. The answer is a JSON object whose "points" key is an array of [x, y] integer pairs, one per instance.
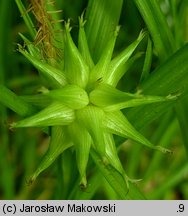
{"points": [[82, 104]]}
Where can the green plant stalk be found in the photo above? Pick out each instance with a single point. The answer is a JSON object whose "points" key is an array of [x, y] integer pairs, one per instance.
{"points": [[181, 110]]}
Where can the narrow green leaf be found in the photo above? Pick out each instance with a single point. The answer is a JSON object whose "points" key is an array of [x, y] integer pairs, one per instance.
{"points": [[147, 61], [182, 21], [27, 19], [54, 75], [76, 70], [58, 143], [14, 102], [71, 95], [181, 111], [5, 26], [54, 114], [162, 35], [117, 123], [7, 179], [158, 27], [100, 12], [114, 178], [177, 13]]}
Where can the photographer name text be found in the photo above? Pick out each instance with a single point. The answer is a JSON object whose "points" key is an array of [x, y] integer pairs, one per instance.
{"points": [[68, 208]]}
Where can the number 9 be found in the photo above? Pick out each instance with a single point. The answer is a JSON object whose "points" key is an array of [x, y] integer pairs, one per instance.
{"points": [[181, 208]]}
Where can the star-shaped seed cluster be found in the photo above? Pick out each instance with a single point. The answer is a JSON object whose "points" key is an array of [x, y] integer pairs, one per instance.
{"points": [[83, 106]]}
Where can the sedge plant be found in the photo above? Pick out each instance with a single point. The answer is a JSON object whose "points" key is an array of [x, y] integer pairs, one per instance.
{"points": [[82, 107]]}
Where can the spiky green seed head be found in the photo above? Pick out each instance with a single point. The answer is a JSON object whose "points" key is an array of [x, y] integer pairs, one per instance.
{"points": [[84, 107]]}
